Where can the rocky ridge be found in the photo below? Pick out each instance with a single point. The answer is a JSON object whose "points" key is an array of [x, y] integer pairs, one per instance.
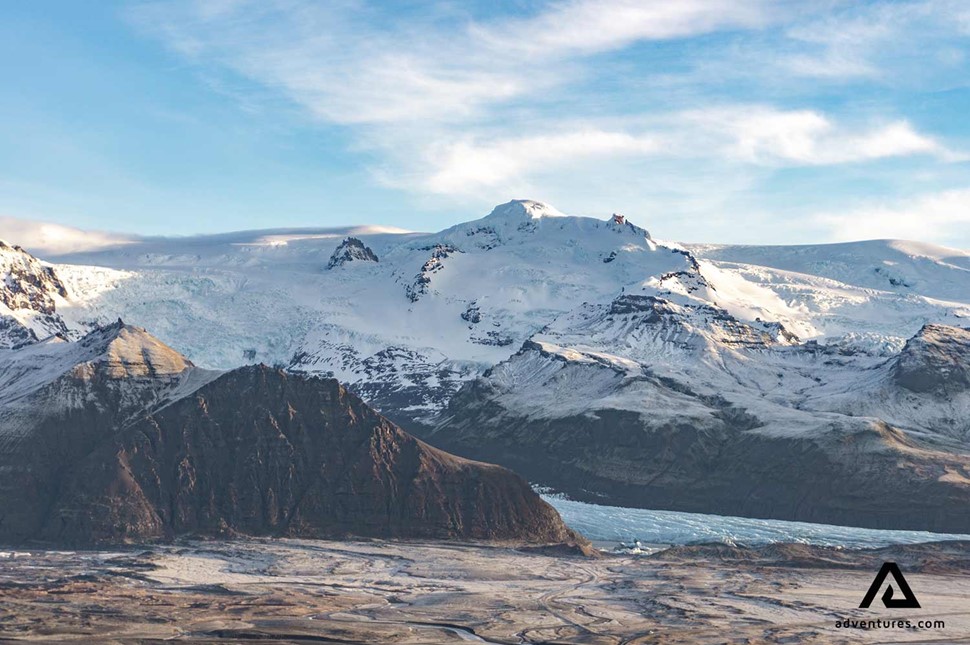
{"points": [[28, 294], [128, 441], [647, 403], [351, 250]]}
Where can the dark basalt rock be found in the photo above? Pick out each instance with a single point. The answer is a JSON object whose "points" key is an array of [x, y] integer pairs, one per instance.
{"points": [[351, 250], [435, 263], [936, 360], [710, 454], [259, 451], [651, 310], [472, 314], [873, 477], [14, 335]]}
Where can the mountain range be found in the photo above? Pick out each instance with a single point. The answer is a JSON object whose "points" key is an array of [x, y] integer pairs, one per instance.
{"points": [[816, 382]]}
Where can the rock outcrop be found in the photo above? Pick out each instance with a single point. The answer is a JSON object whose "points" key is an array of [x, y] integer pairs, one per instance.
{"points": [[27, 284], [351, 250], [936, 360], [28, 290]]}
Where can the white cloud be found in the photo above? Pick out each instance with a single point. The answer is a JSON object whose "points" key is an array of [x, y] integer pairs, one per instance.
{"points": [[592, 26], [46, 239], [465, 166], [937, 217], [444, 104], [748, 135], [805, 137], [344, 66], [886, 41]]}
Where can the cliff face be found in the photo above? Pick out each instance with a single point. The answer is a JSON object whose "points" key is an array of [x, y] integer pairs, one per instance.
{"points": [[26, 283], [130, 450]]}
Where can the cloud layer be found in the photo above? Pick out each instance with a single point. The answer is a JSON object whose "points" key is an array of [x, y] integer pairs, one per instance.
{"points": [[450, 103]]}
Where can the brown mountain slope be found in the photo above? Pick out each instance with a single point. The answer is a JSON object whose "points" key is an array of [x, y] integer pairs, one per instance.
{"points": [[263, 452]]}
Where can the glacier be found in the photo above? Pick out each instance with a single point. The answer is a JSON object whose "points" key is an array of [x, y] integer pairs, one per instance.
{"points": [[671, 528]]}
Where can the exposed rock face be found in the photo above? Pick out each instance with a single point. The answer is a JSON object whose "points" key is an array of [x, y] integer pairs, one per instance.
{"points": [[60, 400], [27, 292], [351, 250], [870, 476], [27, 284], [15, 334], [648, 403], [434, 264], [936, 360], [259, 451], [131, 449]]}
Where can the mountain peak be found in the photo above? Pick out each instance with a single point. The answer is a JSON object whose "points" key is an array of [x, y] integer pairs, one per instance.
{"points": [[350, 250], [29, 291], [257, 451], [129, 351], [525, 209]]}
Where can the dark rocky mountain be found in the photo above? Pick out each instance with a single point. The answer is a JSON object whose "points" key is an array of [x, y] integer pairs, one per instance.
{"points": [[132, 442], [351, 250]]}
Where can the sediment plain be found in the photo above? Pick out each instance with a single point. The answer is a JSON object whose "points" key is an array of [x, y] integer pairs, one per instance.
{"points": [[303, 591]]}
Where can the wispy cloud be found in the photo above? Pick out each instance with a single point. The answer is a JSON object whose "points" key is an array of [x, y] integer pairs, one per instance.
{"points": [[744, 134], [345, 66], [585, 26], [447, 103], [45, 238], [464, 166], [806, 137], [889, 41]]}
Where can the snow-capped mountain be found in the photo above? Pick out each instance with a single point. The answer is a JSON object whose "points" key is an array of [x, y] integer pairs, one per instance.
{"points": [[403, 318], [644, 402], [594, 357], [406, 318]]}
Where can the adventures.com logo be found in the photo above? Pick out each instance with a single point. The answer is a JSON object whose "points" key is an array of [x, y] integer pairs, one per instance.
{"points": [[890, 600]]}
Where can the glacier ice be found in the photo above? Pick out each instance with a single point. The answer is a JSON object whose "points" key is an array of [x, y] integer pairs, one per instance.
{"points": [[615, 524]]}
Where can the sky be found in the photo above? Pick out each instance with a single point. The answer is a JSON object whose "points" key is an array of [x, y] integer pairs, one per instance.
{"points": [[735, 121]]}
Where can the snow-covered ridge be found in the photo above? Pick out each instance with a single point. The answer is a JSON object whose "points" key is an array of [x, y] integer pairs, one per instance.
{"points": [[116, 351], [29, 293], [438, 309]]}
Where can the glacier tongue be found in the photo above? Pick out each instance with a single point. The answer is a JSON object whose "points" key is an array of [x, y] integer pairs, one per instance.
{"points": [[661, 528]]}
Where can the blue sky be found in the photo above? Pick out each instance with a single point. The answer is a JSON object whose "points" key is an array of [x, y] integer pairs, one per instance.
{"points": [[704, 120]]}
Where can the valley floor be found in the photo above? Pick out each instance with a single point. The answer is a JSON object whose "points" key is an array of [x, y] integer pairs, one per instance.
{"points": [[401, 592]]}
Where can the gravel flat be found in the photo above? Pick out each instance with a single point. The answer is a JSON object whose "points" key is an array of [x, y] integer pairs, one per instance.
{"points": [[275, 591]]}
